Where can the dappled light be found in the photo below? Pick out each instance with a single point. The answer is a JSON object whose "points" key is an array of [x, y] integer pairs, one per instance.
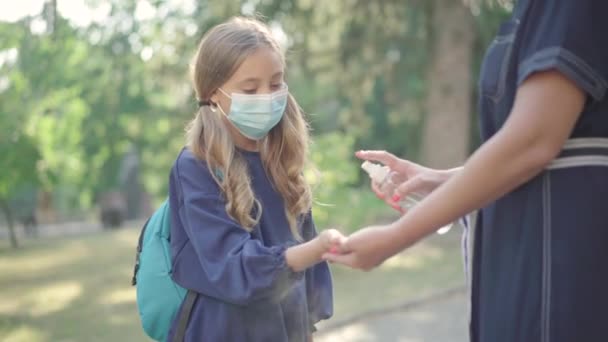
{"points": [[124, 319], [49, 299], [90, 296], [128, 237], [24, 333], [44, 260], [119, 296]]}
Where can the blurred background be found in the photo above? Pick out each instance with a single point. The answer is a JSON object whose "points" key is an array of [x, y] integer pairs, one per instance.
{"points": [[94, 97]]}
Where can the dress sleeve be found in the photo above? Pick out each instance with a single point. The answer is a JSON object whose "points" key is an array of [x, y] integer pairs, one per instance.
{"points": [[232, 266], [568, 36]]}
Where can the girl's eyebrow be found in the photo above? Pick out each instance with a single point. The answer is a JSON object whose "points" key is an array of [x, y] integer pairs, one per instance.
{"points": [[257, 80], [250, 79]]}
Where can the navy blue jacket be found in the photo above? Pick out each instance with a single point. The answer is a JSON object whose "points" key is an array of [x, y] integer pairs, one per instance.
{"points": [[246, 290]]}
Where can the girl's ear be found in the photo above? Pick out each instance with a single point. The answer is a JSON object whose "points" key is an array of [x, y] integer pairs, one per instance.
{"points": [[214, 99]]}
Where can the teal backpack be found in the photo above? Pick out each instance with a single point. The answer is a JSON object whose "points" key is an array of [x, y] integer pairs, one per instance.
{"points": [[158, 296]]}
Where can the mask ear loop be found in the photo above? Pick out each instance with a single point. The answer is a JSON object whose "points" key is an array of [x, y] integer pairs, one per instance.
{"points": [[225, 93], [213, 107]]}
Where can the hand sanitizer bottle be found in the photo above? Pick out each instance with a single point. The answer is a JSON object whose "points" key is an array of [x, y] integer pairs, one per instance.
{"points": [[386, 180]]}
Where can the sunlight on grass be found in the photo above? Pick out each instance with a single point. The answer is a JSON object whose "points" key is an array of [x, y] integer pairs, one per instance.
{"points": [[53, 298], [25, 334], [124, 319], [41, 260], [128, 237], [86, 294], [9, 305], [120, 296]]}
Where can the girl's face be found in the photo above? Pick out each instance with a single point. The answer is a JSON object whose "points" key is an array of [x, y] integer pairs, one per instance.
{"points": [[260, 73]]}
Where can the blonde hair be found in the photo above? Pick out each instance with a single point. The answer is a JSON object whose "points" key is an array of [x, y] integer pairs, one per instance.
{"points": [[283, 151]]}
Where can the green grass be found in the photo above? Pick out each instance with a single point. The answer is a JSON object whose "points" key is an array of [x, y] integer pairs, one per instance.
{"points": [[78, 289], [70, 289]]}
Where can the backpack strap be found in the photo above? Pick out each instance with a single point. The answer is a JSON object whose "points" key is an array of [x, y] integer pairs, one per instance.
{"points": [[139, 247], [184, 317]]}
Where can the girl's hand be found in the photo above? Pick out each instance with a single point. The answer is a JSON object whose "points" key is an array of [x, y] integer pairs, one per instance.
{"points": [[331, 240], [366, 249], [307, 254]]}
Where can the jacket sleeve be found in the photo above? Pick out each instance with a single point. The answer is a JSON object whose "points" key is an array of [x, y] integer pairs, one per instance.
{"points": [[319, 291]]}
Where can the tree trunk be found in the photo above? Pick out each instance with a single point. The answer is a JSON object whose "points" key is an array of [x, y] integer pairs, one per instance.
{"points": [[445, 138], [9, 220]]}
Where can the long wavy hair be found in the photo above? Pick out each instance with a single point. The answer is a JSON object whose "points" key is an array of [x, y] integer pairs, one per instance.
{"points": [[284, 151]]}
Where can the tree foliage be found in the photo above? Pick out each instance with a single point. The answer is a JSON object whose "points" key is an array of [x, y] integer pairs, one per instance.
{"points": [[74, 99]]}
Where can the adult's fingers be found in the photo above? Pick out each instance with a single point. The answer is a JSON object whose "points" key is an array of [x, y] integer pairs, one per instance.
{"points": [[409, 187], [342, 259], [383, 157]]}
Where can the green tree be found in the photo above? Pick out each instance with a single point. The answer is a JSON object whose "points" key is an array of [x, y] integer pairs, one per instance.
{"points": [[380, 74], [19, 155]]}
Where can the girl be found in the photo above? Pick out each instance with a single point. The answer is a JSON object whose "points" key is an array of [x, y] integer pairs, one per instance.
{"points": [[244, 205], [541, 179]]}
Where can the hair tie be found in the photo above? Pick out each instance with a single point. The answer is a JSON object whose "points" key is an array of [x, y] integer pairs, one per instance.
{"points": [[202, 103]]}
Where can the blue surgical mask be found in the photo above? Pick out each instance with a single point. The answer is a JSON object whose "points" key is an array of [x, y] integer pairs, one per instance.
{"points": [[255, 115]]}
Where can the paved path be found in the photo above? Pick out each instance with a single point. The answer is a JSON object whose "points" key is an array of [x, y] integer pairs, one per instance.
{"points": [[442, 320]]}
